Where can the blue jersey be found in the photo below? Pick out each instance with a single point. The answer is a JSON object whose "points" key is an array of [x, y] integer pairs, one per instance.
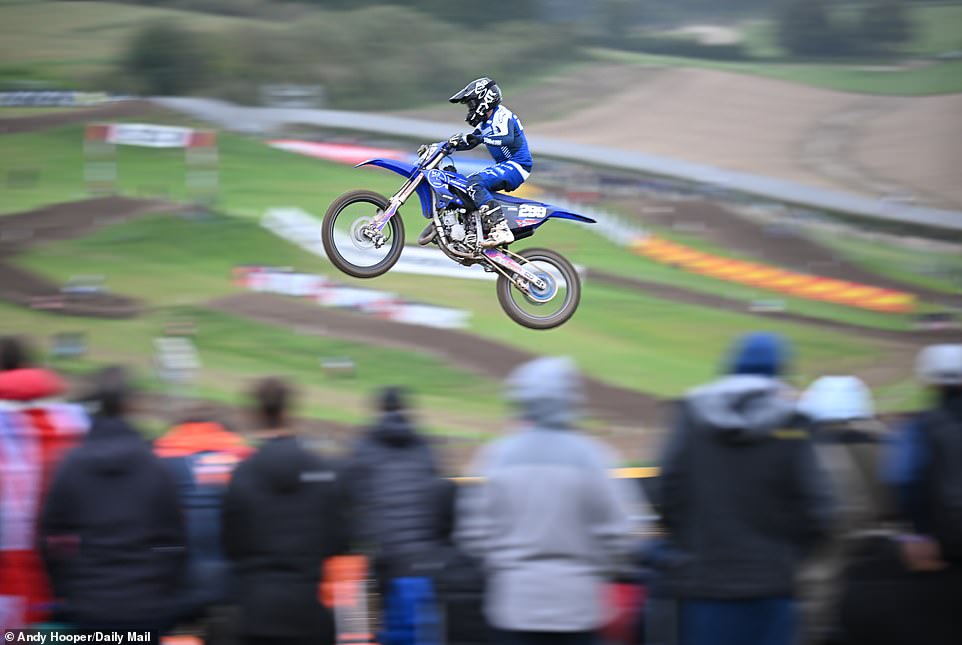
{"points": [[503, 134]]}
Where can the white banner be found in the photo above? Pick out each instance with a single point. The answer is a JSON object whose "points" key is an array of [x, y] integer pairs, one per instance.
{"points": [[304, 230], [327, 293], [151, 136]]}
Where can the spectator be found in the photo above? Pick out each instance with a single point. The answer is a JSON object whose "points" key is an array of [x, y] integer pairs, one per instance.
{"points": [[112, 531], [35, 433], [202, 454], [547, 519], [742, 498], [925, 466], [848, 442], [282, 519], [396, 491]]}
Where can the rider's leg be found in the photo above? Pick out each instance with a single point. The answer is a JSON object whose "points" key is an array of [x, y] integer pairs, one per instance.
{"points": [[503, 176]]}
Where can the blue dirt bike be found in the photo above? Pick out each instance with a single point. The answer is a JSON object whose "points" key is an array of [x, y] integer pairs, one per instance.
{"points": [[363, 237]]}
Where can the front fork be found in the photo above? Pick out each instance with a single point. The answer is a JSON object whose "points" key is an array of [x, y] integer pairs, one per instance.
{"points": [[374, 231]]}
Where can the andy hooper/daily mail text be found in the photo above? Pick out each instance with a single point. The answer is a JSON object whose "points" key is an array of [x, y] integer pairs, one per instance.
{"points": [[55, 637]]}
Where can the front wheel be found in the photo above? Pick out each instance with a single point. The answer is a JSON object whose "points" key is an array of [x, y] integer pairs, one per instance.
{"points": [[542, 308], [345, 242]]}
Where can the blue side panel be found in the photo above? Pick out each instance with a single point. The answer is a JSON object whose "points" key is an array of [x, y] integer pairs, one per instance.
{"points": [[511, 199], [406, 170]]}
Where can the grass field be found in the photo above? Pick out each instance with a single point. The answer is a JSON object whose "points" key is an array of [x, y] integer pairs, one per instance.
{"points": [[623, 338], [936, 29], [234, 351], [175, 265], [940, 271], [255, 177]]}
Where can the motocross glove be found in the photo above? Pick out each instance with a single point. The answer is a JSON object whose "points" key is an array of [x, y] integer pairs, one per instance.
{"points": [[464, 141]]}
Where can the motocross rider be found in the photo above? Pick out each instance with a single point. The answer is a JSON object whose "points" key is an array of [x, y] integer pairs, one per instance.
{"points": [[501, 131]]}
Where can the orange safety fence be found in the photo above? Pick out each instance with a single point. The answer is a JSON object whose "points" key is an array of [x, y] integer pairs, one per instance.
{"points": [[772, 278]]}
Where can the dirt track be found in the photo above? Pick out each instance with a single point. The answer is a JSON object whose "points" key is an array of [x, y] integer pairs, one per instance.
{"points": [[852, 142], [36, 123], [62, 222]]}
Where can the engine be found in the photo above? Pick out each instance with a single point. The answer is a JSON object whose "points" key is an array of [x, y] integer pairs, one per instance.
{"points": [[452, 225]]}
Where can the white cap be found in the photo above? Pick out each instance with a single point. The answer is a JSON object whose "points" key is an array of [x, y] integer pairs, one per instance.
{"points": [[940, 365], [837, 398]]}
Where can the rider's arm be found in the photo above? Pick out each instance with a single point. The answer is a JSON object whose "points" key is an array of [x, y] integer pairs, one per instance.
{"points": [[507, 138]]}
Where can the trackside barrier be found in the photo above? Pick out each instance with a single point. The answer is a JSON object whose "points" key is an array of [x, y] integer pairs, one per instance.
{"points": [[800, 285], [633, 472]]}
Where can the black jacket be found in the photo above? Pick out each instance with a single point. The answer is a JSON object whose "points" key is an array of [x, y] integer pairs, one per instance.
{"points": [[741, 492], [282, 519], [395, 493], [112, 534]]}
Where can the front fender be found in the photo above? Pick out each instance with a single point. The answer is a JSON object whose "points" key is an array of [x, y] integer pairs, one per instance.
{"points": [[408, 171]]}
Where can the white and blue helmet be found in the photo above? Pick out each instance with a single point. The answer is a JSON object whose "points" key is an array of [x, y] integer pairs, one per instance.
{"points": [[481, 96]]}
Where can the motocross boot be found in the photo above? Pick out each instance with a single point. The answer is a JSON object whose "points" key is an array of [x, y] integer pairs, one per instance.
{"points": [[499, 232]]}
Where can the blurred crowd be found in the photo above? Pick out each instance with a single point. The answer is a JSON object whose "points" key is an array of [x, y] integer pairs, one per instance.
{"points": [[778, 517]]}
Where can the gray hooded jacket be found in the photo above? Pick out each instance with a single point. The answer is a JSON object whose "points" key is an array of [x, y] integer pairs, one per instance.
{"points": [[741, 492], [548, 520]]}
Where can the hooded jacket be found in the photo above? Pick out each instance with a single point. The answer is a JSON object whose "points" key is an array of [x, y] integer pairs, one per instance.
{"points": [[547, 520], [282, 519], [740, 491], [395, 492], [112, 531], [35, 432]]}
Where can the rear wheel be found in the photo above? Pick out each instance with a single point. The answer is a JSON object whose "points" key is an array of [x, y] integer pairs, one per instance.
{"points": [[542, 308], [345, 242]]}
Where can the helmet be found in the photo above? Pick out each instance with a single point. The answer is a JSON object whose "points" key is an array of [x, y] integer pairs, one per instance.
{"points": [[940, 365], [481, 96]]}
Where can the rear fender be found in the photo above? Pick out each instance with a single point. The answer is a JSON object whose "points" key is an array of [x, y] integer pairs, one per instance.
{"points": [[572, 216]]}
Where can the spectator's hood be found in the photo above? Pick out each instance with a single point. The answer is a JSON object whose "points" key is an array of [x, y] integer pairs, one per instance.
{"points": [[114, 446], [548, 392], [743, 408], [29, 384], [394, 429]]}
